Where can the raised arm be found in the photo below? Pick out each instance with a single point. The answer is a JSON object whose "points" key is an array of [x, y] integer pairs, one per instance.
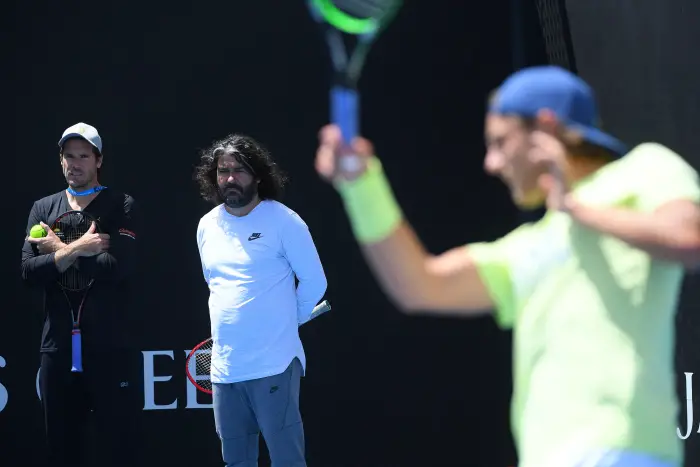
{"points": [[665, 221], [419, 282], [415, 280]]}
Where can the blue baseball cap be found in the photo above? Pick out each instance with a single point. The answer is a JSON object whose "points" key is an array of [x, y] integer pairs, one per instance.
{"points": [[572, 100]]}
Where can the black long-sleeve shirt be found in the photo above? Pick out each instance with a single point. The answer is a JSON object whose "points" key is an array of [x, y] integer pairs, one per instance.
{"points": [[106, 319]]}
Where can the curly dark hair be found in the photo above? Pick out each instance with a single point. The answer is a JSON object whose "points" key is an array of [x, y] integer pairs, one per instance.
{"points": [[248, 152]]}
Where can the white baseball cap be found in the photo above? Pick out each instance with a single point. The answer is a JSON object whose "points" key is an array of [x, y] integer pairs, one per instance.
{"points": [[82, 130]]}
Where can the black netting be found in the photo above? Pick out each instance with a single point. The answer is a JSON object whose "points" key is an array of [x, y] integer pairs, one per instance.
{"points": [[555, 33]]}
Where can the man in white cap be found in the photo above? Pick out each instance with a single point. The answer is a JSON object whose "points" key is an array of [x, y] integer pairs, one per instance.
{"points": [[106, 388]]}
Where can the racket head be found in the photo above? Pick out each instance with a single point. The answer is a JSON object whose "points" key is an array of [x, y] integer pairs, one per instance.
{"points": [[198, 366], [69, 227], [357, 17]]}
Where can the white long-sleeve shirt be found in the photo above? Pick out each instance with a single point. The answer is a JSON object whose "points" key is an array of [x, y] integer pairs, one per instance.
{"points": [[250, 264]]}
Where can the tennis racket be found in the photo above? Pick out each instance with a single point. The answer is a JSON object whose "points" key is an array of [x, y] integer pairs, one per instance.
{"points": [[198, 362], [341, 20], [69, 227]]}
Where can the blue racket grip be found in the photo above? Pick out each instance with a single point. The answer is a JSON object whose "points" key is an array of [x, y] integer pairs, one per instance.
{"points": [[77, 351], [345, 111]]}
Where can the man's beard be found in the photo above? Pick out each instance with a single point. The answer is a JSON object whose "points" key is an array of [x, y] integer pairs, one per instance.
{"points": [[76, 184], [235, 196]]}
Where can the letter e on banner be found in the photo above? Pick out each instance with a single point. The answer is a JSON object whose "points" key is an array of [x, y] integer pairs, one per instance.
{"points": [[150, 380]]}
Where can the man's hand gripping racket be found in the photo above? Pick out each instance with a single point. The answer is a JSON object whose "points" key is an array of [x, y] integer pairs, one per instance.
{"points": [[340, 20], [198, 362]]}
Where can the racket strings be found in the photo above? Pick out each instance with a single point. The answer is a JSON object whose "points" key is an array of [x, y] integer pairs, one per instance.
{"points": [[69, 229], [363, 9], [202, 365]]}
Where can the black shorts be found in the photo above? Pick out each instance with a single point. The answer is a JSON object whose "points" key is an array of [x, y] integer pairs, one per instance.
{"points": [[92, 418]]}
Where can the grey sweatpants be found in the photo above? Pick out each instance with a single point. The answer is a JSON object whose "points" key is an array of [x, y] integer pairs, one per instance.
{"points": [[269, 405]]}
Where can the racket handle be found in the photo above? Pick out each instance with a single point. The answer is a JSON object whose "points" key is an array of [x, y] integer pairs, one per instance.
{"points": [[318, 310], [345, 111], [77, 351]]}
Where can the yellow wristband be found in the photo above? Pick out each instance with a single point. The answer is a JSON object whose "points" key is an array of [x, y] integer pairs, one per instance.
{"points": [[374, 213]]}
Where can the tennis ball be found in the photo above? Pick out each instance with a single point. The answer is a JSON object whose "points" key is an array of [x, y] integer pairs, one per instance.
{"points": [[37, 231]]}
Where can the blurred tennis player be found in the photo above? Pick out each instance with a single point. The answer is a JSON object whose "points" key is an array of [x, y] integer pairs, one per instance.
{"points": [[106, 386], [252, 248], [590, 290]]}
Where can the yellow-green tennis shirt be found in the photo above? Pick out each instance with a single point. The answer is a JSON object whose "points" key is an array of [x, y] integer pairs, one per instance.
{"points": [[592, 320]]}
